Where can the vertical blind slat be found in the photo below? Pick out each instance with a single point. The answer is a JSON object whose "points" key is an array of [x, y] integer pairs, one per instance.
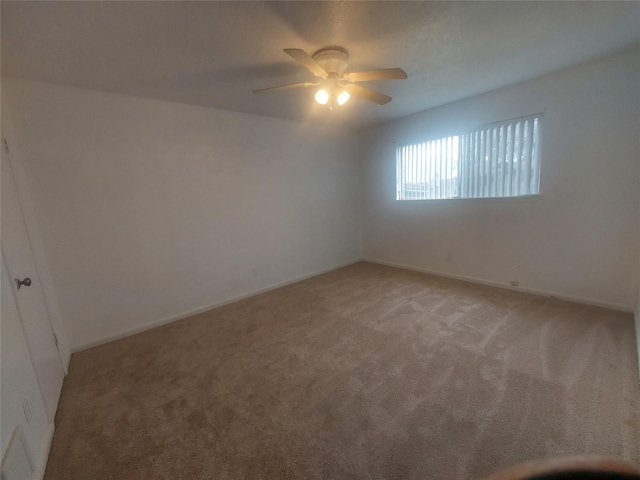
{"points": [[439, 169], [449, 167], [404, 166], [493, 166], [431, 170], [526, 160], [460, 175], [536, 156], [424, 171], [412, 157], [517, 159], [485, 154], [401, 163], [453, 174], [479, 157], [491, 174], [414, 164], [476, 164], [501, 160], [421, 168], [487, 163], [471, 164], [443, 174], [443, 166], [509, 160], [464, 167], [450, 164], [398, 180]]}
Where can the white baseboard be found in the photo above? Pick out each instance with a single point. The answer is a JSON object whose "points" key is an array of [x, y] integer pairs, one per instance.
{"points": [[543, 293], [41, 464], [204, 308]]}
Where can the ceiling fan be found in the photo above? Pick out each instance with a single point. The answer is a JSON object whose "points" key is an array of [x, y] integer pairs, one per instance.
{"points": [[337, 85]]}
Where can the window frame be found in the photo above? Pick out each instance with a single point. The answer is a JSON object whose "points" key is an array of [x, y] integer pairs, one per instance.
{"points": [[498, 161]]}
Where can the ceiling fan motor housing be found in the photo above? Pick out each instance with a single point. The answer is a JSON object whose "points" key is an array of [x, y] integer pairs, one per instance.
{"points": [[332, 60]]}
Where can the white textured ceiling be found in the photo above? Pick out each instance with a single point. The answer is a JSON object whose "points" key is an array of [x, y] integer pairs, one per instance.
{"points": [[215, 53]]}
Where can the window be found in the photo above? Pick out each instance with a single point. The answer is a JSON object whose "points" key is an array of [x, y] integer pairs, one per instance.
{"points": [[498, 160]]}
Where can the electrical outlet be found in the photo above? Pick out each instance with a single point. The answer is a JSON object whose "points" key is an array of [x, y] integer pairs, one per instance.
{"points": [[255, 272], [449, 257], [26, 408]]}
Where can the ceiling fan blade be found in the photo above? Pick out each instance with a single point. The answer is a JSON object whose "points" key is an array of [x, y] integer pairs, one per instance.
{"points": [[376, 97], [286, 87], [306, 61], [382, 74]]}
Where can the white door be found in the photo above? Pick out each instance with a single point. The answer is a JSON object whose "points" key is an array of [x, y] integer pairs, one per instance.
{"points": [[20, 264]]}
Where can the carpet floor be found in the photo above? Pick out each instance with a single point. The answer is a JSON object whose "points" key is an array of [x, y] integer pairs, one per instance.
{"points": [[366, 372]]}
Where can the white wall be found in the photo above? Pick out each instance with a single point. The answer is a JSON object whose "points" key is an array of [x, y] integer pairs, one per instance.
{"points": [[578, 240], [19, 384], [149, 210]]}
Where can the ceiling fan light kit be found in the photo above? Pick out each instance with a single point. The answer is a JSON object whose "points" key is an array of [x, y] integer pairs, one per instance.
{"points": [[332, 96], [336, 86]]}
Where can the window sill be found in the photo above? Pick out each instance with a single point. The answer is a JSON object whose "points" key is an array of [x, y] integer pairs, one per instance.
{"points": [[522, 198]]}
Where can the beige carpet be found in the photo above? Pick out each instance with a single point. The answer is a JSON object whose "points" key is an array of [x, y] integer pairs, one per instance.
{"points": [[367, 372]]}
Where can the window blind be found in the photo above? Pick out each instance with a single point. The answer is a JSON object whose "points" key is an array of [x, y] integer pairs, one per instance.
{"points": [[498, 160]]}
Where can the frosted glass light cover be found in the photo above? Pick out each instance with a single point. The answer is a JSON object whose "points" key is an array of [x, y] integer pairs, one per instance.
{"points": [[322, 96], [343, 97]]}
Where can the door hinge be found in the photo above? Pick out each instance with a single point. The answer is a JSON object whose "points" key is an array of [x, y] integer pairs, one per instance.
{"points": [[55, 339], [6, 145]]}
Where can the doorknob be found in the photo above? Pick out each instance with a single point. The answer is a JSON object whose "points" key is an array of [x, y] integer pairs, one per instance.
{"points": [[26, 282]]}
